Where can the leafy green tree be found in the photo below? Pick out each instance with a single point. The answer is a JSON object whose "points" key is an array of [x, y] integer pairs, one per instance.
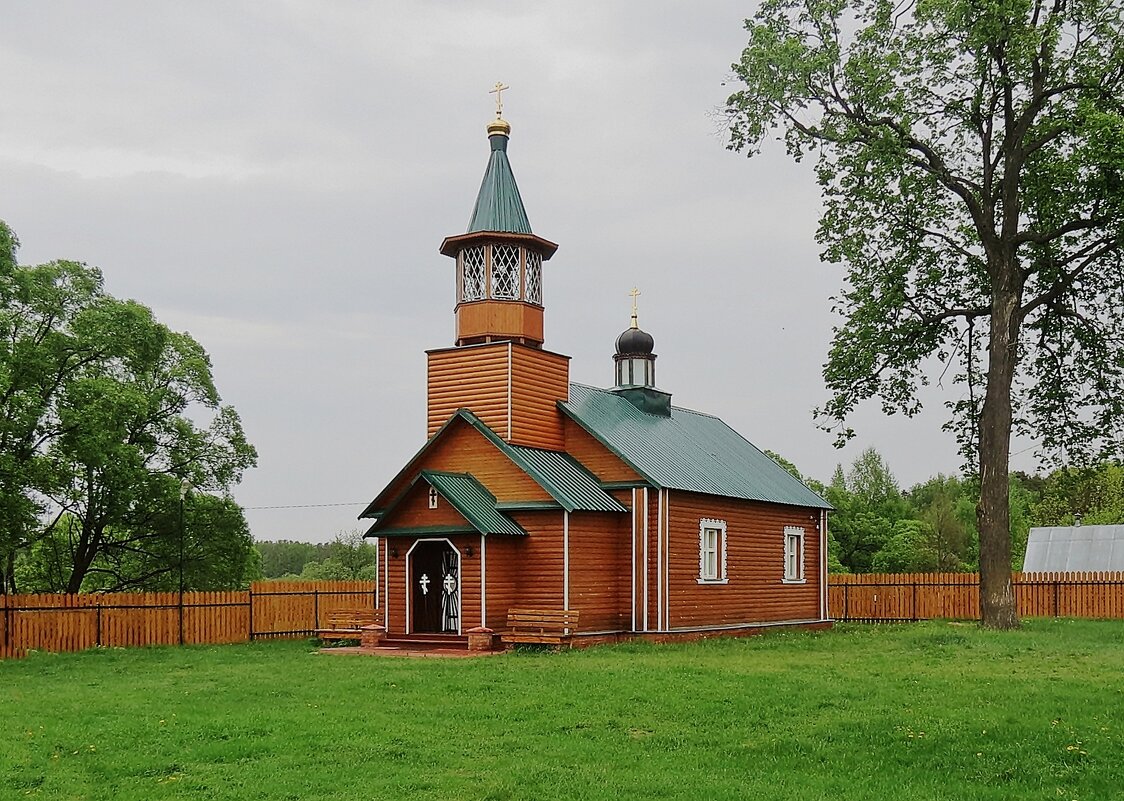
{"points": [[284, 557], [868, 505], [908, 549], [348, 557], [947, 505], [786, 464], [103, 411], [55, 321], [131, 436], [1095, 493], [971, 154]]}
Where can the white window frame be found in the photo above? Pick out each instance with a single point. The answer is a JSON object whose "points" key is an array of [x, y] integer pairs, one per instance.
{"points": [[794, 555], [433, 497], [711, 524]]}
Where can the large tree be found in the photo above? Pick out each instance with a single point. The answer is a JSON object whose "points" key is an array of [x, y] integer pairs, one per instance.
{"points": [[971, 156], [103, 412]]}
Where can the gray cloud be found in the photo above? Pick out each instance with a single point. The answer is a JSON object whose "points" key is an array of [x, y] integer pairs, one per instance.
{"points": [[276, 178]]}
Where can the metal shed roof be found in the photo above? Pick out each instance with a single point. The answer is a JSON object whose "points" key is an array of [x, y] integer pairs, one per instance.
{"points": [[686, 451], [1074, 549]]}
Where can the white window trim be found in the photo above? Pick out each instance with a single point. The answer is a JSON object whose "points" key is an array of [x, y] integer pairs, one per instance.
{"points": [[710, 523], [802, 577]]}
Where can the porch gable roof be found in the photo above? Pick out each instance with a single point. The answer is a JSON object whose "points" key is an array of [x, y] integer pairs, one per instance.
{"points": [[572, 486], [465, 494]]}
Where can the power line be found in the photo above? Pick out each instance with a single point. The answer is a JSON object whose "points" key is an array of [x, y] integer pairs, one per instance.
{"points": [[307, 505]]}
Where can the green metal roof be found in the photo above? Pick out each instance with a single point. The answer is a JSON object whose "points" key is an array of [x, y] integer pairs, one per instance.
{"points": [[569, 478], [569, 484], [686, 451], [476, 504], [498, 204]]}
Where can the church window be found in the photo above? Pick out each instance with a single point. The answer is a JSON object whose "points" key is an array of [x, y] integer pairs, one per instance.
{"points": [[794, 554], [432, 498], [532, 290], [505, 272], [712, 551], [472, 260]]}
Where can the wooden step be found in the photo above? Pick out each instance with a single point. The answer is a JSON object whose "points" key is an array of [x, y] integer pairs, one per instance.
{"points": [[425, 641]]}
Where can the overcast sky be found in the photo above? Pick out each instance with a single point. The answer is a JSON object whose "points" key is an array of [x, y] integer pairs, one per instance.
{"points": [[276, 178]]}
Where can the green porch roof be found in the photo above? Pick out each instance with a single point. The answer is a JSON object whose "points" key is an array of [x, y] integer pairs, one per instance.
{"points": [[567, 482], [469, 497], [465, 494], [687, 451], [498, 204]]}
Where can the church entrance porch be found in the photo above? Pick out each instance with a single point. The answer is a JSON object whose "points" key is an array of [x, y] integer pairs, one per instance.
{"points": [[434, 596]]}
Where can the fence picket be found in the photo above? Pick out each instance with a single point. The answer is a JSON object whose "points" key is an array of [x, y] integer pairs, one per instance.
{"points": [[881, 597], [57, 622]]}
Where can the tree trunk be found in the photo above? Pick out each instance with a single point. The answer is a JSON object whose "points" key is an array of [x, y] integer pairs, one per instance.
{"points": [[84, 554], [997, 598]]}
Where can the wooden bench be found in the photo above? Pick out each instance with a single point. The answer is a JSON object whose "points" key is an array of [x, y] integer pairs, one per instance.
{"points": [[540, 626], [347, 624]]}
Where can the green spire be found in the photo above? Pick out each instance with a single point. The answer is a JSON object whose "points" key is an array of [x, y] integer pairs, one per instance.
{"points": [[498, 205]]}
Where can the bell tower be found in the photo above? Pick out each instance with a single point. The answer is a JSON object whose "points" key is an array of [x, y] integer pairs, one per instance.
{"points": [[499, 259], [498, 368]]}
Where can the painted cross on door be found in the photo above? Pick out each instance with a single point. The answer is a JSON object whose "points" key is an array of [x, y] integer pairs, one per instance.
{"points": [[450, 599]]}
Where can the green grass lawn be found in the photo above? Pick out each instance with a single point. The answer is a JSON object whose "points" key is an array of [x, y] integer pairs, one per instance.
{"points": [[924, 711]]}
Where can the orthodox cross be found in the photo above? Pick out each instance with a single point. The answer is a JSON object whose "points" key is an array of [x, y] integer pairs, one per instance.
{"points": [[635, 293], [498, 92], [424, 582], [450, 584]]}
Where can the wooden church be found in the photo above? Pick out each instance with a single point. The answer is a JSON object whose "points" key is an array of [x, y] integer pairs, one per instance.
{"points": [[609, 511]]}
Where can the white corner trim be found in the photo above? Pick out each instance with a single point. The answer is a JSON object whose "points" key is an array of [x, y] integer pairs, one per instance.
{"points": [[645, 558], [483, 583], [659, 560], [823, 564], [632, 578], [565, 559]]}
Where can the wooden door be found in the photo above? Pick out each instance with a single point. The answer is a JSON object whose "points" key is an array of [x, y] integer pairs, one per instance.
{"points": [[435, 588]]}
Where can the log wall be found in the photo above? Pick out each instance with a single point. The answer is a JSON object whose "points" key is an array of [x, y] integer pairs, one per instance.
{"points": [[512, 388], [600, 561], [596, 458], [756, 591]]}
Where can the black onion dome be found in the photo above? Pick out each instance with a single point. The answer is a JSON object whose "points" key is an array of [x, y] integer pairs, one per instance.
{"points": [[634, 342]]}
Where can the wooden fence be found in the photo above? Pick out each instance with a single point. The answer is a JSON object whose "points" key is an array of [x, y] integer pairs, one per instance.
{"points": [[51, 622], [923, 596]]}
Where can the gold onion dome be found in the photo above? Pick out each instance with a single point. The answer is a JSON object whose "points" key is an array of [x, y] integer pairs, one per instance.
{"points": [[499, 126]]}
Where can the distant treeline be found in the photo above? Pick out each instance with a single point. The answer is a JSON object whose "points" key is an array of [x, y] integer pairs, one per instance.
{"points": [[878, 527], [346, 557]]}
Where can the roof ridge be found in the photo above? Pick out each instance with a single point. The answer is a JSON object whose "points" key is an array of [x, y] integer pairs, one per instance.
{"points": [[673, 406]]}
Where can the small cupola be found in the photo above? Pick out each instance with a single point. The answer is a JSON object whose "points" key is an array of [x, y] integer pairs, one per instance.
{"points": [[636, 364], [636, 368]]}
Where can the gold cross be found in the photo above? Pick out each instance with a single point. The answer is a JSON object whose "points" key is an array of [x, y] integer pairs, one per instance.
{"points": [[635, 293], [498, 92]]}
